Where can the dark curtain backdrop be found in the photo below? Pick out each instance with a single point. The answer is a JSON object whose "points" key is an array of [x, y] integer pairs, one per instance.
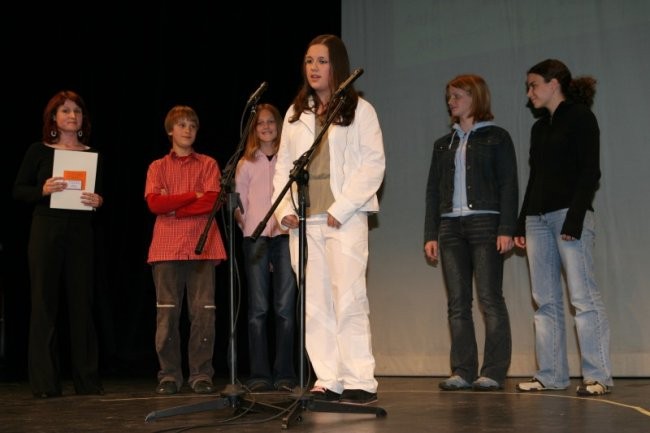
{"points": [[131, 66]]}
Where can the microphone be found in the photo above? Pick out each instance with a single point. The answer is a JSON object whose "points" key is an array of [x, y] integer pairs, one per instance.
{"points": [[344, 85], [256, 95]]}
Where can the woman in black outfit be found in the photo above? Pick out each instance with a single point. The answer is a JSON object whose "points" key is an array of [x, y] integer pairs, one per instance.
{"points": [[60, 252]]}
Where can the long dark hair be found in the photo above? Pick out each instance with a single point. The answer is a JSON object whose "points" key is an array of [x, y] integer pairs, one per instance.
{"points": [[581, 90], [50, 130], [340, 70]]}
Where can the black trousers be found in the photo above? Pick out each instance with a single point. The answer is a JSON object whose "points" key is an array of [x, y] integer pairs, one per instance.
{"points": [[61, 257]]}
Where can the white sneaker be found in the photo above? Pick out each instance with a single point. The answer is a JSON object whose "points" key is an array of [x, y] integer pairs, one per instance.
{"points": [[530, 386], [592, 387]]}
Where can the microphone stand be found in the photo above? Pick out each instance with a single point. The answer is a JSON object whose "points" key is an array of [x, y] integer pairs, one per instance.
{"points": [[303, 398], [232, 394]]}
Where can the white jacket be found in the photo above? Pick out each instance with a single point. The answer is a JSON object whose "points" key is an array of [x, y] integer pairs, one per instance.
{"points": [[357, 161]]}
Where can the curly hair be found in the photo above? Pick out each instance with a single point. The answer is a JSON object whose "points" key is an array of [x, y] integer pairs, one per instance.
{"points": [[581, 90]]}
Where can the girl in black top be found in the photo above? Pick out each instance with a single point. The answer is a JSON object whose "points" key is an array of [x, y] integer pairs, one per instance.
{"points": [[556, 227]]}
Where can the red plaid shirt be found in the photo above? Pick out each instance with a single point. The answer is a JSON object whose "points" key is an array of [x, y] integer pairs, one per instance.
{"points": [[170, 191]]}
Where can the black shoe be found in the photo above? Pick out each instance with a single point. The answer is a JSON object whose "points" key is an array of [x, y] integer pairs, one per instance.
{"points": [[259, 385], [96, 389], [285, 385], [324, 394], [47, 394], [358, 396], [203, 387], [167, 387]]}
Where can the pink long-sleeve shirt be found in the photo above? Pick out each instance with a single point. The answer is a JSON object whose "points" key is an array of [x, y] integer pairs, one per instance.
{"points": [[254, 183]]}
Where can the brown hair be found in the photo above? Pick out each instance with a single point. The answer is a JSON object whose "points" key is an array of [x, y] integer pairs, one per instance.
{"points": [[581, 90], [178, 113], [478, 90], [50, 130], [253, 141], [340, 70]]}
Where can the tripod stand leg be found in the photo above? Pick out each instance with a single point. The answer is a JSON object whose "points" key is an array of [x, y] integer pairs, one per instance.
{"points": [[234, 400], [219, 403], [336, 407], [308, 403], [295, 412]]}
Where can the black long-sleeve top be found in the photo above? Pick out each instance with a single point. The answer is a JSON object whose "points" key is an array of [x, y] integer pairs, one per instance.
{"points": [[564, 166], [35, 169]]}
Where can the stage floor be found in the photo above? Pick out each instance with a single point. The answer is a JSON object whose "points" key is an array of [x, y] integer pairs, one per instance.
{"points": [[410, 404]]}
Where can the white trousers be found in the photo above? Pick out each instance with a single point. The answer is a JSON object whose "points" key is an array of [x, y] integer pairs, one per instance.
{"points": [[337, 327]]}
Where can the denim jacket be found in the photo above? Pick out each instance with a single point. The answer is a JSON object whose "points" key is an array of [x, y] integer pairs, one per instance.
{"points": [[491, 178]]}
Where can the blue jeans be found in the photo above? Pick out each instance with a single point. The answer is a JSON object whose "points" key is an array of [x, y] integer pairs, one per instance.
{"points": [[468, 252], [268, 258], [548, 255]]}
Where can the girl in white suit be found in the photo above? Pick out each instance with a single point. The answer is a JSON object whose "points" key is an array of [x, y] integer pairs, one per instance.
{"points": [[345, 172]]}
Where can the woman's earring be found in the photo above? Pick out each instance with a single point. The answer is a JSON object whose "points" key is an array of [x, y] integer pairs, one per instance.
{"points": [[53, 133], [80, 133]]}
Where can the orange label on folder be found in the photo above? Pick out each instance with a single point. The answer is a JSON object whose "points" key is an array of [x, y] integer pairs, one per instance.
{"points": [[75, 179]]}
